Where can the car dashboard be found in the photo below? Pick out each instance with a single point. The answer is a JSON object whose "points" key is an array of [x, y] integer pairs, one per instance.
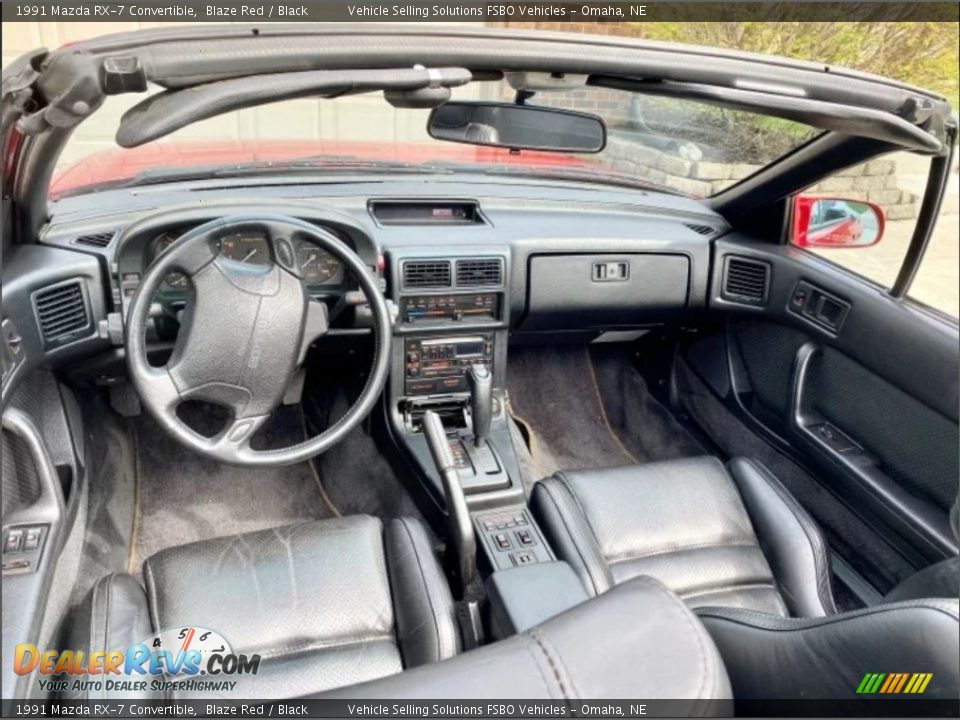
{"points": [[466, 268]]}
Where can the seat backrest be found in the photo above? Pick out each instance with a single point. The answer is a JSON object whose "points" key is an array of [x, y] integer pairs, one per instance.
{"points": [[770, 657]]}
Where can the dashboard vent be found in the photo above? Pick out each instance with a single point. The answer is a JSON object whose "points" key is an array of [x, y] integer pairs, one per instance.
{"points": [[745, 281], [426, 274], [706, 230], [481, 272], [61, 312], [431, 212], [97, 240]]}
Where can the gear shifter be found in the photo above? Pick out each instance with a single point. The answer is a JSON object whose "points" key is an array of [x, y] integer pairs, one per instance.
{"points": [[462, 538], [481, 401]]}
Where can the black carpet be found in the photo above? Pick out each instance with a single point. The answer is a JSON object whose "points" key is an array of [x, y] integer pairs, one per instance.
{"points": [[589, 408], [183, 497]]}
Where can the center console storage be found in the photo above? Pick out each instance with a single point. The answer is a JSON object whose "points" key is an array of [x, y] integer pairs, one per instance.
{"points": [[523, 597]]}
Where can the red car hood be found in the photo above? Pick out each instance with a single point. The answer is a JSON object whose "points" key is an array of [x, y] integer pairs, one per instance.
{"points": [[119, 164]]}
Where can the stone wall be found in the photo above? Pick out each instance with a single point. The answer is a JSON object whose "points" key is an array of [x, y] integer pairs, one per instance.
{"points": [[874, 181]]}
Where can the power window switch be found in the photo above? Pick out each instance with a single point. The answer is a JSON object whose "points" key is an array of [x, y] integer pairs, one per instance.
{"points": [[12, 541], [525, 537], [31, 540], [502, 541]]}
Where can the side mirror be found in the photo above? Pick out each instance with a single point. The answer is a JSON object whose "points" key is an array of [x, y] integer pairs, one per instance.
{"points": [[836, 223]]}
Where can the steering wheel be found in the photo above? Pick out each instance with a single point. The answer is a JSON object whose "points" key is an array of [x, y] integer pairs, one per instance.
{"points": [[243, 336]]}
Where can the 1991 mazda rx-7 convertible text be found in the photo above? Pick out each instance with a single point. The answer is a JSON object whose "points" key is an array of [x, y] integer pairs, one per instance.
{"points": [[459, 363]]}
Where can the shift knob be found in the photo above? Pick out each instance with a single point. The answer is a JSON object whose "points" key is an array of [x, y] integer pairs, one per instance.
{"points": [[481, 401]]}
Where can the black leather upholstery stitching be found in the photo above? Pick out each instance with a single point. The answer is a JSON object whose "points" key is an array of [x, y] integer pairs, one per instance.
{"points": [[553, 666], [810, 530]]}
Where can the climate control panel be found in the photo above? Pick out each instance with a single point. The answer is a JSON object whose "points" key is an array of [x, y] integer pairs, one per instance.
{"points": [[436, 365], [423, 308]]}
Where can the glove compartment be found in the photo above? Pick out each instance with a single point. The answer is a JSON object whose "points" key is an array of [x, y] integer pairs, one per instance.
{"points": [[601, 291]]}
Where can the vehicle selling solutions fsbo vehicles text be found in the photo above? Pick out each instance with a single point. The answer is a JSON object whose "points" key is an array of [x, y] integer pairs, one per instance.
{"points": [[494, 10]]}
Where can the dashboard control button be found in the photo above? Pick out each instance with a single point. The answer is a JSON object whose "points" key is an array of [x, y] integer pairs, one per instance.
{"points": [[502, 541], [31, 541], [12, 541]]}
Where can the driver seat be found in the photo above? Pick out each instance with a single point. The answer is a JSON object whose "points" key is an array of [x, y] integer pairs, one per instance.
{"points": [[325, 604]]}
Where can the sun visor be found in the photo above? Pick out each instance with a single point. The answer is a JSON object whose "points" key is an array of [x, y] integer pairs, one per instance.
{"points": [[171, 110]]}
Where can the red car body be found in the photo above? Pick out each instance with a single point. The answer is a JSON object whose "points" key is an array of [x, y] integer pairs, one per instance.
{"points": [[119, 164]]}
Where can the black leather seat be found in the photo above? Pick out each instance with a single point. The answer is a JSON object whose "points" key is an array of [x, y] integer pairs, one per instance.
{"points": [[735, 545], [345, 605], [717, 536], [325, 604]]}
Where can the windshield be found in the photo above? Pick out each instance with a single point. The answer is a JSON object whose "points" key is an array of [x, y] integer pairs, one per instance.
{"points": [[679, 145]]}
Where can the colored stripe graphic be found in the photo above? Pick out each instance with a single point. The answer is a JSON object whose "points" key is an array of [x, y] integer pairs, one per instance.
{"points": [[894, 683]]}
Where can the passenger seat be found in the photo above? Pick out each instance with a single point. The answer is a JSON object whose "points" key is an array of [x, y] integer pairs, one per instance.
{"points": [[738, 548], [729, 536]]}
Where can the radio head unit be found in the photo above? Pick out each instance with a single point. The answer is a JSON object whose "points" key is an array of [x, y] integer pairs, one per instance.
{"points": [[438, 365]]}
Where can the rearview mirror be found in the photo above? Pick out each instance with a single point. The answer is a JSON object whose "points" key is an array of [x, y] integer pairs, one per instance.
{"points": [[517, 127], [836, 223]]}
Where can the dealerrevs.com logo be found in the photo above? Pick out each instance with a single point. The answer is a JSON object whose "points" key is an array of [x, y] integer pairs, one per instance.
{"points": [[186, 658]]}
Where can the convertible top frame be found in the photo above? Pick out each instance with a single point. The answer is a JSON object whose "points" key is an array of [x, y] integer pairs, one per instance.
{"points": [[68, 85]]}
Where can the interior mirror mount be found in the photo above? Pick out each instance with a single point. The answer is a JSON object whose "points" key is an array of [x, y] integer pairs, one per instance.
{"points": [[518, 127], [828, 222]]}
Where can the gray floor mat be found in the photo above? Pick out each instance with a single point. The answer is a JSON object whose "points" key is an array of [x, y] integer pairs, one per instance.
{"points": [[555, 394], [355, 475], [648, 429], [183, 497]]}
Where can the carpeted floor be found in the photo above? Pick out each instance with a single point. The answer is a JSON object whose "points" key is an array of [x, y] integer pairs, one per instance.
{"points": [[587, 408], [183, 497]]}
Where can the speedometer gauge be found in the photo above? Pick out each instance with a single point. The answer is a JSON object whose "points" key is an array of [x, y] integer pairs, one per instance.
{"points": [[249, 247], [318, 266]]}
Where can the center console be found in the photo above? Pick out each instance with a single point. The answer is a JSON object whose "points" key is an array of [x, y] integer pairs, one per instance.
{"points": [[447, 408], [452, 317]]}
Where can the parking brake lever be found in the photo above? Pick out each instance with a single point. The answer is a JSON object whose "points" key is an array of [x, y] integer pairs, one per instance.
{"points": [[481, 401], [462, 538]]}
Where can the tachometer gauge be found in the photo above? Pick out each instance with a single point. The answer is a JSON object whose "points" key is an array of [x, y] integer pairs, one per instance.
{"points": [[249, 247], [317, 266]]}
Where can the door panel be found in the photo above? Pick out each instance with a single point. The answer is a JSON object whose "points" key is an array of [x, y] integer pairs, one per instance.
{"points": [[868, 403]]}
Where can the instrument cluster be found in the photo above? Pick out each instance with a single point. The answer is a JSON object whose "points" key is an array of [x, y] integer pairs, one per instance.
{"points": [[318, 267]]}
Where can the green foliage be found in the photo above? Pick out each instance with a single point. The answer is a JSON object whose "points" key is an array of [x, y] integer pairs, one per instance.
{"points": [[925, 54]]}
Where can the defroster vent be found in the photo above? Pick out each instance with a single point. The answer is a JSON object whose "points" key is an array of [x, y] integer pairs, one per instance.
{"points": [[745, 281], [479, 272], [97, 240], [62, 312], [426, 274]]}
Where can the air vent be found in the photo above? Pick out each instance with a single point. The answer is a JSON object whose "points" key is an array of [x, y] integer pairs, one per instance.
{"points": [[745, 281], [61, 312], [431, 212], [480, 272], [97, 240], [426, 274], [706, 230]]}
